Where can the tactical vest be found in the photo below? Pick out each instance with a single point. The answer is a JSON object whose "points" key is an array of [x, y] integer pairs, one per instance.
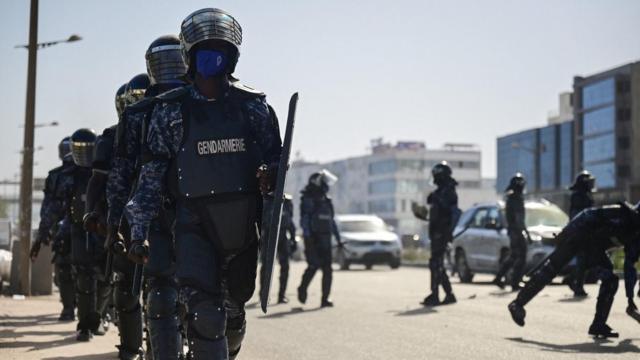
{"points": [[322, 217], [215, 168], [79, 195], [218, 155]]}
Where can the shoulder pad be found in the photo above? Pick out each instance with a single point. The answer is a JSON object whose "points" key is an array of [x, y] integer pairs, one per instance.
{"points": [[245, 91], [173, 94], [109, 132], [56, 170], [141, 105]]}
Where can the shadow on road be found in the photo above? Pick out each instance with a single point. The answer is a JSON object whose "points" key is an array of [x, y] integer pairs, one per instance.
{"points": [[293, 311], [422, 310], [573, 299], [109, 355], [592, 347], [24, 321]]}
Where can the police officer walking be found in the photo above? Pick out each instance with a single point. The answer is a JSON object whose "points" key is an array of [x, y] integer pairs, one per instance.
{"points": [[317, 220], [286, 244], [443, 219], [206, 143], [53, 226], [517, 229], [86, 248], [594, 231], [581, 198], [166, 69]]}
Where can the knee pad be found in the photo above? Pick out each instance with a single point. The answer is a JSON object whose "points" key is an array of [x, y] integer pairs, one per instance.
{"points": [[125, 301], [208, 320], [86, 283], [162, 302]]}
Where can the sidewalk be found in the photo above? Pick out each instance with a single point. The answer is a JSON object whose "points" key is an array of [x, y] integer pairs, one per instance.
{"points": [[29, 329]]}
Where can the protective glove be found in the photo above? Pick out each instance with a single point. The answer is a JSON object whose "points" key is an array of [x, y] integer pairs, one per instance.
{"points": [[114, 242], [266, 178], [90, 222], [139, 252]]}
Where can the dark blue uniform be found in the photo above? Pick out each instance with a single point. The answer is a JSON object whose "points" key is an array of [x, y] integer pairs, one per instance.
{"points": [[581, 199], [317, 220], [444, 205], [516, 228], [53, 225], [593, 232], [203, 156], [161, 288]]}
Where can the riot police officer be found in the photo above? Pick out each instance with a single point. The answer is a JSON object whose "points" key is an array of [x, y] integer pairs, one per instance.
{"points": [[517, 230], [54, 226], [581, 198], [286, 244], [207, 141], [126, 304], [166, 70], [318, 224], [593, 231], [444, 216], [86, 248]]}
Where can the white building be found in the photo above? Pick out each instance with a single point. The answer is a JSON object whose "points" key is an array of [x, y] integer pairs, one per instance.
{"points": [[387, 180]]}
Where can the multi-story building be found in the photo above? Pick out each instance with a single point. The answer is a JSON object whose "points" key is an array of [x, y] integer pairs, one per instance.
{"points": [[602, 136], [607, 131], [386, 181]]}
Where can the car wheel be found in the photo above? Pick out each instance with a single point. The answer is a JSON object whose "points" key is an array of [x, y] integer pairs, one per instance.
{"points": [[464, 272], [368, 266], [395, 263]]}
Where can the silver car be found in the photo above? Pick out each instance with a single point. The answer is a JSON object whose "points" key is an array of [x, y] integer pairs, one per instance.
{"points": [[368, 241], [484, 244]]}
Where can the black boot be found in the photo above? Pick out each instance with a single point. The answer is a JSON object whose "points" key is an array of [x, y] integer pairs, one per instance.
{"points": [[84, 335], [302, 294], [431, 300], [449, 298], [602, 331], [282, 299], [517, 313], [498, 282]]}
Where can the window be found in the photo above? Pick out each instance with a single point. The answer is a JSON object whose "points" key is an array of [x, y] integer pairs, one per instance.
{"points": [[382, 167], [599, 121], [623, 142], [624, 171], [411, 186], [478, 220], [605, 174], [566, 153], [548, 157], [386, 186], [381, 206], [599, 93], [599, 148]]}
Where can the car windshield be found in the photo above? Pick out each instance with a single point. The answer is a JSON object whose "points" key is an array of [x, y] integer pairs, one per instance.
{"points": [[546, 216], [362, 225]]}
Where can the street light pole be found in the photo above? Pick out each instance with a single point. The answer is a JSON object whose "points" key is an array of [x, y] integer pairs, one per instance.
{"points": [[26, 183]]}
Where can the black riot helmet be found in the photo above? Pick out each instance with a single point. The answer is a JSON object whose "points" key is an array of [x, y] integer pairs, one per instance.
{"points": [[441, 173], [584, 182], [136, 87], [165, 65], [120, 99], [64, 148], [321, 180], [211, 24], [83, 142], [517, 183]]}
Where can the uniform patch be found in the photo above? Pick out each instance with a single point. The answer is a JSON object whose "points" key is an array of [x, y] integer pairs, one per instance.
{"points": [[221, 146]]}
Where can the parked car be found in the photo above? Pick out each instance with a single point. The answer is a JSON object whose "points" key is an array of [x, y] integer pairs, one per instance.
{"points": [[368, 241], [484, 245]]}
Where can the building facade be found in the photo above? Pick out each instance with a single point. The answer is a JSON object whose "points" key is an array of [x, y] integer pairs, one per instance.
{"points": [[386, 181], [602, 136]]}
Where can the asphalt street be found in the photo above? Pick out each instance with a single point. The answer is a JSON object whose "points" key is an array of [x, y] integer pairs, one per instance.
{"points": [[377, 316]]}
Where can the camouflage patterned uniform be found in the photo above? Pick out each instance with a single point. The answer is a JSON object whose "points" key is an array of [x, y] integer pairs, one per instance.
{"points": [[213, 283]]}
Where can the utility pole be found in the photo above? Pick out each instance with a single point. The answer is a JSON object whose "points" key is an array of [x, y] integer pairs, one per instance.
{"points": [[26, 180]]}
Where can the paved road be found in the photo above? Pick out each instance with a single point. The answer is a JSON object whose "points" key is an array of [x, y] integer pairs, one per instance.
{"points": [[377, 316]]}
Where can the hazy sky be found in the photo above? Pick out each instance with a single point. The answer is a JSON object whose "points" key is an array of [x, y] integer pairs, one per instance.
{"points": [[437, 71]]}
